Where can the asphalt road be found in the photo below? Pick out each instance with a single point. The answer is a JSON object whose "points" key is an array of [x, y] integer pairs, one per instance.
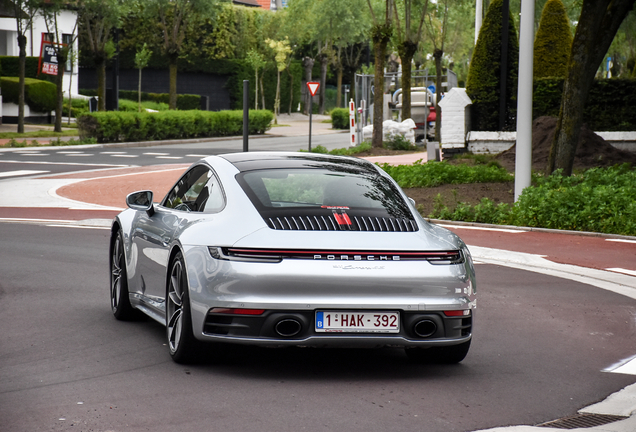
{"points": [[66, 364]]}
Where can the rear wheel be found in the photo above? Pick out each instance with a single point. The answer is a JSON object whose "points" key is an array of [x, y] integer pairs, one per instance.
{"points": [[181, 341], [439, 355], [119, 300]]}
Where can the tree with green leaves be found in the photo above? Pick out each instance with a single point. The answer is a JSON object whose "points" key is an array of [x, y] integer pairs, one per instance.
{"points": [[281, 51], [175, 19], [483, 84], [381, 33], [408, 37], [553, 42], [256, 61], [597, 26], [24, 12], [98, 19], [62, 44], [437, 29], [142, 57]]}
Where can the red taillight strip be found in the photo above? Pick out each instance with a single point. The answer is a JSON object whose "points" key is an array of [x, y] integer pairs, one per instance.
{"points": [[426, 255], [237, 311], [457, 313]]}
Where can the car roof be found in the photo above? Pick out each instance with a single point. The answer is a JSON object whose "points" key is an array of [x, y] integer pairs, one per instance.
{"points": [[271, 160]]}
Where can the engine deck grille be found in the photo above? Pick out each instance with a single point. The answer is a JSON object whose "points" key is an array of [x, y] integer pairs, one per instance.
{"points": [[335, 223]]}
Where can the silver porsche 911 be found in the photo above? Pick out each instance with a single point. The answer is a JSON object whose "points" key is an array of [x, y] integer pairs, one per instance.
{"points": [[292, 249]]}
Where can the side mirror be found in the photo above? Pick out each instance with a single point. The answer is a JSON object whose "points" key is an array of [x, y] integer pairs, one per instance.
{"points": [[141, 201]]}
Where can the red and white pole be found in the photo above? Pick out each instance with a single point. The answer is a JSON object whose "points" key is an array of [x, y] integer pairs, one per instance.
{"points": [[352, 123]]}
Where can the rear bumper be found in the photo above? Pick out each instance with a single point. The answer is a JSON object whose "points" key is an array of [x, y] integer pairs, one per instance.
{"points": [[278, 328]]}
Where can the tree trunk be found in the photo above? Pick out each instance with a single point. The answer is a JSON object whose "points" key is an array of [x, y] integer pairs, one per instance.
{"points": [[339, 84], [598, 24], [61, 62], [100, 65], [291, 92], [324, 62], [256, 90], [406, 51], [22, 62], [262, 92], [139, 91], [437, 54], [381, 36], [308, 64], [173, 81], [277, 98]]}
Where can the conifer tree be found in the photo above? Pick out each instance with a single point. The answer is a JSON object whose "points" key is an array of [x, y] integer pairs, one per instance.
{"points": [[482, 85], [553, 42]]}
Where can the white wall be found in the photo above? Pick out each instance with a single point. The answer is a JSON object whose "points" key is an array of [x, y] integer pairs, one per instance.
{"points": [[9, 42]]}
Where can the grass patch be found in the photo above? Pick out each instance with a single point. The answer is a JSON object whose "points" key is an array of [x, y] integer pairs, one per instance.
{"points": [[39, 134], [350, 151]]}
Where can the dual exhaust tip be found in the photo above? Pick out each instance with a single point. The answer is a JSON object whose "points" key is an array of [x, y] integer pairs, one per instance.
{"points": [[290, 327]]}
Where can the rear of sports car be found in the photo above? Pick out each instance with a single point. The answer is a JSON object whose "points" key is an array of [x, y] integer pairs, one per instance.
{"points": [[337, 257]]}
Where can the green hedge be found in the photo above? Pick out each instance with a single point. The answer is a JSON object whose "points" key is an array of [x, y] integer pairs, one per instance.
{"points": [[611, 105], [10, 67], [340, 118], [553, 42], [115, 126], [39, 95], [185, 102]]}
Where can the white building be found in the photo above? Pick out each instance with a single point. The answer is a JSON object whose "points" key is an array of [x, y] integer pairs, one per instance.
{"points": [[38, 31]]}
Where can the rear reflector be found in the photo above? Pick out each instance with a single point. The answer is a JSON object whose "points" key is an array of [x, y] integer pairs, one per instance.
{"points": [[456, 313], [237, 311]]}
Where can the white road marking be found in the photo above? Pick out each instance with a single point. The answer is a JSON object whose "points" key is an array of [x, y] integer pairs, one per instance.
{"points": [[20, 172], [197, 155], [124, 155], [169, 157], [482, 228], [81, 154], [627, 367], [66, 163], [112, 152], [621, 270], [621, 240], [34, 154], [77, 226], [157, 154], [69, 152]]}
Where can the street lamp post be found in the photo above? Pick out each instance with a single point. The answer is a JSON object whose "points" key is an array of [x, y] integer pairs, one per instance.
{"points": [[523, 152]]}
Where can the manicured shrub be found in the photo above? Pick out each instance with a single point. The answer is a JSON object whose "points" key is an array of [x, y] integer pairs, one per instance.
{"points": [[439, 173], [610, 105], [553, 42], [185, 102], [340, 118], [39, 95], [117, 126], [483, 85]]}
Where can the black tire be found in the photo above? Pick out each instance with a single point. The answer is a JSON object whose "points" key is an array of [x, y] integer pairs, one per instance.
{"points": [[439, 355], [119, 300], [182, 344]]}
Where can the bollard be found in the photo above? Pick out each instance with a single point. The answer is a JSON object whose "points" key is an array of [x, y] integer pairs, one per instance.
{"points": [[352, 123]]}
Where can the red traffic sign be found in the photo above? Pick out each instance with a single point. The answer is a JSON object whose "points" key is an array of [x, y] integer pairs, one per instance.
{"points": [[313, 87]]}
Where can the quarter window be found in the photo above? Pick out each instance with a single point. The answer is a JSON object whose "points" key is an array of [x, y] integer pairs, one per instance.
{"points": [[198, 190]]}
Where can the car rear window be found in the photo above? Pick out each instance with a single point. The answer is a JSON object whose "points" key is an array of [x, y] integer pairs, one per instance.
{"points": [[286, 189]]}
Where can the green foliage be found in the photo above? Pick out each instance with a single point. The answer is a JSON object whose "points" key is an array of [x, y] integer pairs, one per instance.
{"points": [[117, 126], [340, 118], [483, 85], [39, 95], [185, 102], [599, 200], [80, 106], [438, 173], [127, 105], [10, 67], [398, 142], [348, 151], [553, 42], [610, 105]]}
